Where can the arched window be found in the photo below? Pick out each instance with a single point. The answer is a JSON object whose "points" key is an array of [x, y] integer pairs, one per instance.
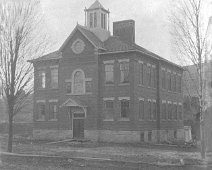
{"points": [[78, 82]]}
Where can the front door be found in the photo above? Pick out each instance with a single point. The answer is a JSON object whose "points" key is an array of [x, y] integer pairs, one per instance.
{"points": [[78, 128]]}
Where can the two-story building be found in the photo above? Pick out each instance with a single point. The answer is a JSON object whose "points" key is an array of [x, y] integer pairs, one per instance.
{"points": [[105, 87]]}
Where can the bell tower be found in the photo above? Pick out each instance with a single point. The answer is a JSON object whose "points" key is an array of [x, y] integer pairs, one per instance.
{"points": [[97, 20]]}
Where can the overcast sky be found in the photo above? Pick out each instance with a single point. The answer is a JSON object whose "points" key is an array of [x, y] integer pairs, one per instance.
{"points": [[152, 30]]}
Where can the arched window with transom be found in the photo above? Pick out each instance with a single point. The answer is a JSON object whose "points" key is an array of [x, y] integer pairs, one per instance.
{"points": [[78, 82]]}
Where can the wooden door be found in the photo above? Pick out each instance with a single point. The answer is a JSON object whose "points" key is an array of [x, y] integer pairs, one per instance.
{"points": [[78, 128]]}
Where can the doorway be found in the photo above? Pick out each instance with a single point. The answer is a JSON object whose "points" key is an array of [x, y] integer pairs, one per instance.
{"points": [[78, 128]]}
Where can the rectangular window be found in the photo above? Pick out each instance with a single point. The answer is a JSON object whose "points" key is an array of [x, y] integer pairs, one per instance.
{"points": [[88, 86], [95, 19], [154, 110], [164, 110], [52, 111], [163, 79], [102, 25], [174, 82], [108, 109], [149, 110], [180, 83], [104, 21], [91, 20], [153, 76], [180, 111], [109, 78], [41, 111], [125, 108], [124, 71], [68, 87], [149, 136], [54, 78], [141, 109], [41, 79], [149, 75], [175, 111], [141, 70], [169, 81], [169, 111]]}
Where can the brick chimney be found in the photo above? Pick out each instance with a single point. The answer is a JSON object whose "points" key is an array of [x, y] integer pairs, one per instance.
{"points": [[125, 30]]}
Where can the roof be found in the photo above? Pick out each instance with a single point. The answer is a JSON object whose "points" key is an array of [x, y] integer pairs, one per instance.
{"points": [[51, 56], [96, 5], [73, 103], [112, 45], [91, 36]]}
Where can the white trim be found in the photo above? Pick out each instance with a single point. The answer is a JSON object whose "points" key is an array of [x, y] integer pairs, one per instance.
{"points": [[53, 100], [141, 98], [108, 98], [40, 101], [123, 60], [72, 85], [108, 120], [68, 80], [169, 102], [41, 68], [88, 79], [54, 66], [124, 119], [52, 120], [163, 101], [180, 104], [109, 62], [140, 62], [123, 98]]}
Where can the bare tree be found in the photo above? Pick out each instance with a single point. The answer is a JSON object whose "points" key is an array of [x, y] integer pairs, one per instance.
{"points": [[189, 33], [20, 40]]}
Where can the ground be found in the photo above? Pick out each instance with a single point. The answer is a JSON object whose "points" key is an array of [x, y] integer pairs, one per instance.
{"points": [[88, 155]]}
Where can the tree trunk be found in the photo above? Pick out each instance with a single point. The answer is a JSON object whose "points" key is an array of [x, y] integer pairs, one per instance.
{"points": [[10, 134], [202, 136]]}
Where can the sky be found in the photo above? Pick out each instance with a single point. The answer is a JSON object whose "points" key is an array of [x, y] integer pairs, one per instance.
{"points": [[151, 20]]}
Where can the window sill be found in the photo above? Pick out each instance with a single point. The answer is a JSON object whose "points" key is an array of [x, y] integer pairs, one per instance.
{"points": [[40, 89], [149, 87], [124, 119], [124, 84], [152, 120], [53, 88], [109, 84], [141, 120], [108, 120], [40, 120], [71, 94], [53, 120], [141, 85]]}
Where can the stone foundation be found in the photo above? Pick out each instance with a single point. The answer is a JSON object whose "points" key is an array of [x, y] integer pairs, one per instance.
{"points": [[52, 134], [119, 136], [114, 136], [92, 135]]}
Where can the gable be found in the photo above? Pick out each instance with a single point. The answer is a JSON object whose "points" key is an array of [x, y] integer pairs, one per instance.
{"points": [[71, 49]]}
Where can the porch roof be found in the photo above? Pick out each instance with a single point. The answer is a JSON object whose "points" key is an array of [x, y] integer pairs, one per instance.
{"points": [[73, 103]]}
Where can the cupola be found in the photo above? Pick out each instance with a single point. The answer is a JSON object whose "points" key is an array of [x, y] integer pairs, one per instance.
{"points": [[97, 20]]}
